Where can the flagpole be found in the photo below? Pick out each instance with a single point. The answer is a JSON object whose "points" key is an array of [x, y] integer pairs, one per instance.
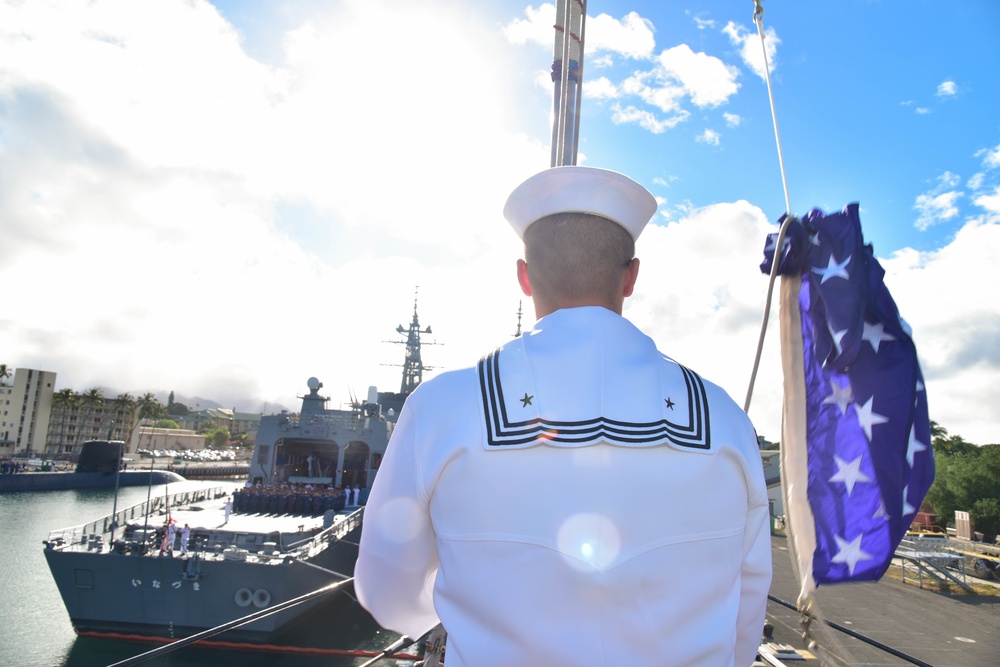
{"points": [[567, 77]]}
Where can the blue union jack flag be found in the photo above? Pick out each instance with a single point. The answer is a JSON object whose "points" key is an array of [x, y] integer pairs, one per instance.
{"points": [[868, 440]]}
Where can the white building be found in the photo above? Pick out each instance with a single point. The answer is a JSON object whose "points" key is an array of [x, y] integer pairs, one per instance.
{"points": [[151, 438], [25, 407]]}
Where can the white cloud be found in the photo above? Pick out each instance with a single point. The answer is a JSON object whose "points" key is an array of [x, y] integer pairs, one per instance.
{"points": [[991, 157], [600, 88], [535, 29], [598, 61], [709, 81], [990, 203], [940, 203], [646, 119], [946, 89], [936, 208], [943, 295], [704, 24], [748, 42], [631, 36], [732, 119], [709, 136], [665, 97]]}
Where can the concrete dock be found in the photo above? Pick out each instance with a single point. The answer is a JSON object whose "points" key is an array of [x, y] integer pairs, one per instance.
{"points": [[943, 630]]}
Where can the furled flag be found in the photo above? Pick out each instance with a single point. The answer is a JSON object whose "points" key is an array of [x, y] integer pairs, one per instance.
{"points": [[855, 422]]}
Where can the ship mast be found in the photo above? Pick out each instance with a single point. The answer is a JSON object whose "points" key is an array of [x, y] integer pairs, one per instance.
{"points": [[571, 17], [413, 365]]}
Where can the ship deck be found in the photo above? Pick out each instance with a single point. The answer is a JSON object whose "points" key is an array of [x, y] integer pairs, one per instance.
{"points": [[204, 511]]}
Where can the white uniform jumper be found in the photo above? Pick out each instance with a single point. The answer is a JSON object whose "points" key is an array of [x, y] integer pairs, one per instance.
{"points": [[576, 499]]}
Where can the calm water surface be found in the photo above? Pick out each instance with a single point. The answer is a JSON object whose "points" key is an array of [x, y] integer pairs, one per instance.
{"points": [[35, 630]]}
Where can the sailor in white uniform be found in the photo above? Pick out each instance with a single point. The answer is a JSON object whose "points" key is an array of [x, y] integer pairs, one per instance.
{"points": [[576, 498]]}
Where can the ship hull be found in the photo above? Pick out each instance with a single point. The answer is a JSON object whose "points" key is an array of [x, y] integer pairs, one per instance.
{"points": [[61, 481], [167, 598]]}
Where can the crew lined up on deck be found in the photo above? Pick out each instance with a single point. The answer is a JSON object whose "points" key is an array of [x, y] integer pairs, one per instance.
{"points": [[295, 499]]}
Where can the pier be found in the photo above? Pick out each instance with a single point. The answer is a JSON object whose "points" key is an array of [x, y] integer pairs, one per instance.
{"points": [[195, 471]]}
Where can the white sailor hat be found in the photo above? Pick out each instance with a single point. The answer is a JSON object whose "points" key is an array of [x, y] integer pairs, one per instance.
{"points": [[574, 189]]}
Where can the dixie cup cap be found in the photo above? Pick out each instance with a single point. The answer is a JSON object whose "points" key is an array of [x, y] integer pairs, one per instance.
{"points": [[575, 189]]}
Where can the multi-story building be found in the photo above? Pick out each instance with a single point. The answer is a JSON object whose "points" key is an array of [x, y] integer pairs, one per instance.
{"points": [[77, 418], [25, 406], [235, 422]]}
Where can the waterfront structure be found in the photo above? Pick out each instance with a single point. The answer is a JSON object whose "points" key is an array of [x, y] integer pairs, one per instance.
{"points": [[237, 423], [25, 407], [78, 417], [149, 437]]}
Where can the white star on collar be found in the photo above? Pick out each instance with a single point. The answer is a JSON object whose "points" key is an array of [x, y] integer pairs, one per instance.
{"points": [[849, 473], [834, 269]]}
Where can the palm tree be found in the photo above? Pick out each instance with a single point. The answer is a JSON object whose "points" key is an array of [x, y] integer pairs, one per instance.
{"points": [[149, 408], [90, 398], [124, 407], [67, 400], [4, 374]]}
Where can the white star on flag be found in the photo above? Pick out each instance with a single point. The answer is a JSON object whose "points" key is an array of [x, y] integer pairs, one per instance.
{"points": [[833, 269], [849, 552], [913, 446], [880, 513], [908, 509], [837, 336], [849, 473], [842, 396], [875, 334], [867, 418]]}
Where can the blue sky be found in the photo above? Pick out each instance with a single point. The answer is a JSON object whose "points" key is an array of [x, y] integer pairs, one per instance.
{"points": [[226, 198]]}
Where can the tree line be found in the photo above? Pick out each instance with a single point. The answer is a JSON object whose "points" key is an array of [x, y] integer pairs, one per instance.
{"points": [[967, 478]]}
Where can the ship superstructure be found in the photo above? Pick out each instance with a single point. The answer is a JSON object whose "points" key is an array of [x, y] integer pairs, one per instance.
{"points": [[339, 447]]}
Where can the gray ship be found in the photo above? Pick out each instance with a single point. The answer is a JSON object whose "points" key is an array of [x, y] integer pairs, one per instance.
{"points": [[181, 564]]}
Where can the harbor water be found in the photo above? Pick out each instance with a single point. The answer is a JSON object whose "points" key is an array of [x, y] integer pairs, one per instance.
{"points": [[35, 630]]}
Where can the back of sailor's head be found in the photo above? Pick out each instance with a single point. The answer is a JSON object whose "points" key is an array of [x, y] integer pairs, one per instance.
{"points": [[579, 226]]}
